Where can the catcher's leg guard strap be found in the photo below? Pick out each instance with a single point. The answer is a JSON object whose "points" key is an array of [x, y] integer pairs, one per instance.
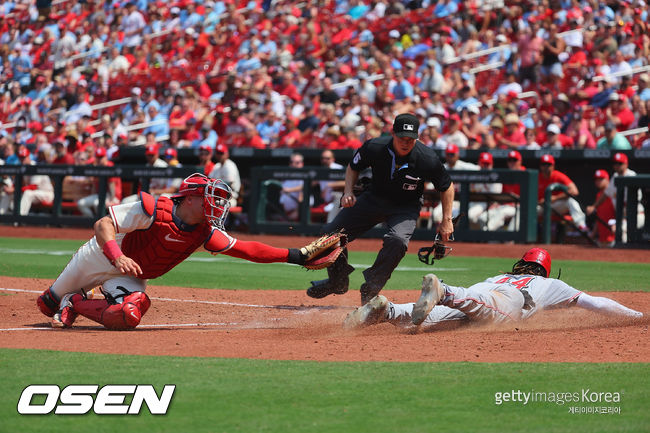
{"points": [[125, 315], [48, 303]]}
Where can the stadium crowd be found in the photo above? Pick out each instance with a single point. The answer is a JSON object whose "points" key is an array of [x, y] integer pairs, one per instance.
{"points": [[329, 74]]}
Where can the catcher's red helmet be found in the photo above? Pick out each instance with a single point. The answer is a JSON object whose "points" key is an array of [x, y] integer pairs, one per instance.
{"points": [[216, 195], [193, 184], [539, 256]]}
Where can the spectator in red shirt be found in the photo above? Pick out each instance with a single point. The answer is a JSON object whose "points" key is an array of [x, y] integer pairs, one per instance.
{"points": [[529, 47], [180, 115], [555, 139], [290, 134], [561, 203], [253, 139], [352, 140], [513, 137], [62, 156], [546, 108], [205, 159], [334, 138], [618, 113], [579, 132], [204, 90]]}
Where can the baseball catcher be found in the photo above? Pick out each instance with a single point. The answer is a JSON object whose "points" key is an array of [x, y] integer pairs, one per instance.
{"points": [[146, 239]]}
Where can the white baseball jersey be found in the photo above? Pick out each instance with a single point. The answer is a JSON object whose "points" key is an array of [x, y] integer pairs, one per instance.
{"points": [[545, 292]]}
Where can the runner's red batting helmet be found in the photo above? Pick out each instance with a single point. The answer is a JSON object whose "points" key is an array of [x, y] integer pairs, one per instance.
{"points": [[539, 256]]}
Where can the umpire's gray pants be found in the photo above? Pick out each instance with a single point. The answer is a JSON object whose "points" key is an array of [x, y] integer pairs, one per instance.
{"points": [[369, 211]]}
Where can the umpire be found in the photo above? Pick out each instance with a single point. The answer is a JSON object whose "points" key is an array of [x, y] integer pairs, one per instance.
{"points": [[401, 165]]}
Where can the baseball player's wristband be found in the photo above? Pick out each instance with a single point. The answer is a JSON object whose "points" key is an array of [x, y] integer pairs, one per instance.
{"points": [[295, 257], [112, 250]]}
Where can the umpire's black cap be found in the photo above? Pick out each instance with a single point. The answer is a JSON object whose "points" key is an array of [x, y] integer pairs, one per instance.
{"points": [[406, 125]]}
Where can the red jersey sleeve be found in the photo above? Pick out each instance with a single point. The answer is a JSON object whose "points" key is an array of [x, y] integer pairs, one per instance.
{"points": [[221, 242], [257, 252]]}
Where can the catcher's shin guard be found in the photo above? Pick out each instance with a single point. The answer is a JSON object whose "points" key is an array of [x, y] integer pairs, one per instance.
{"points": [[47, 303], [338, 281], [125, 315], [65, 317]]}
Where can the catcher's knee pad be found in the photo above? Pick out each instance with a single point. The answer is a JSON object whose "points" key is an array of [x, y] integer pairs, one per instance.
{"points": [[47, 303], [125, 315]]}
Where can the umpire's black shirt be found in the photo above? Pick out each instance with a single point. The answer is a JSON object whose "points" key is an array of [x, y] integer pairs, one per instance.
{"points": [[400, 179]]}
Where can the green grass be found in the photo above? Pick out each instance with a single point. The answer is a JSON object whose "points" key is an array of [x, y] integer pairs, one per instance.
{"points": [[43, 258], [235, 395]]}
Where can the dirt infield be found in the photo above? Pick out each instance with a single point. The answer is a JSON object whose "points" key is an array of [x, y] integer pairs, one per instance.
{"points": [[289, 325]]}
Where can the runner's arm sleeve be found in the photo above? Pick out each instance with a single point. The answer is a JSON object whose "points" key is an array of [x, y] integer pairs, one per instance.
{"points": [[606, 306]]}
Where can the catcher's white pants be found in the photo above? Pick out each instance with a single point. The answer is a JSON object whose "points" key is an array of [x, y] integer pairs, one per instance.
{"points": [[31, 196], [89, 268]]}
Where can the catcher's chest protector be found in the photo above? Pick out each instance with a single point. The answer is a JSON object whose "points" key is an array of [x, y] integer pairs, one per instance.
{"points": [[163, 245]]}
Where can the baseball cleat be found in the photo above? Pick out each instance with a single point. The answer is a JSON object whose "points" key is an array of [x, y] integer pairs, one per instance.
{"points": [[368, 292], [371, 313], [322, 288], [432, 293], [65, 317]]}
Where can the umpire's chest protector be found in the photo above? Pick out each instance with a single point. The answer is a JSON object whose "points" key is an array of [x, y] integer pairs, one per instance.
{"points": [[163, 245], [400, 180]]}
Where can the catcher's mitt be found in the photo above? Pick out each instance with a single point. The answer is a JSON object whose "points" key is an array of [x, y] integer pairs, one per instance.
{"points": [[323, 251]]}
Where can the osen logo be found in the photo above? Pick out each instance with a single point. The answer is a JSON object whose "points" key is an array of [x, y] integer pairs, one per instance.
{"points": [[80, 399]]}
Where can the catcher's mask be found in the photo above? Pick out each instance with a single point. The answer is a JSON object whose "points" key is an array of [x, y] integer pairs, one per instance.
{"points": [[216, 197], [439, 250]]}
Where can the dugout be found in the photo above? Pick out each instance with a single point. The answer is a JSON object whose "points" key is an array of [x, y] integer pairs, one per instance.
{"points": [[266, 214], [61, 212]]}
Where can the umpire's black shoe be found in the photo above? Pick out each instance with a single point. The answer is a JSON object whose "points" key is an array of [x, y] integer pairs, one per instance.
{"points": [[321, 288], [368, 292]]}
